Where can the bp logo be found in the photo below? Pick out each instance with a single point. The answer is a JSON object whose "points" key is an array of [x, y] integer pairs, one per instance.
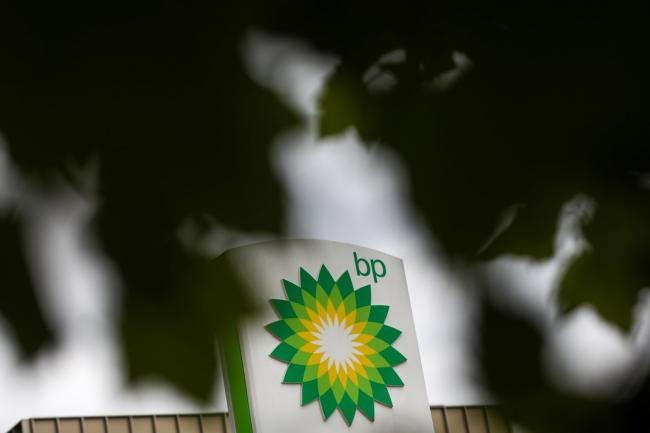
{"points": [[336, 344]]}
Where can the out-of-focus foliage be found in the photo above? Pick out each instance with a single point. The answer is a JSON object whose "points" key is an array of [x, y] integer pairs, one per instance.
{"points": [[18, 303], [155, 94], [511, 356], [515, 107], [502, 111], [512, 359]]}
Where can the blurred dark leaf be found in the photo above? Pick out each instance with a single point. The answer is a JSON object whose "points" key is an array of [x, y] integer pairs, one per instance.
{"points": [[461, 184], [18, 303], [614, 269], [546, 106], [173, 335], [156, 93], [511, 358], [541, 103], [496, 107], [634, 409], [346, 103]]}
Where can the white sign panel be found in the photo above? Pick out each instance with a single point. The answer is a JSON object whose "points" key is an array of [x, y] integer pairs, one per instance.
{"points": [[333, 347]]}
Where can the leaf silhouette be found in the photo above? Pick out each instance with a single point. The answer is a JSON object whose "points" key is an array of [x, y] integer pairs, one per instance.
{"points": [[537, 107], [155, 93], [18, 301], [511, 360]]}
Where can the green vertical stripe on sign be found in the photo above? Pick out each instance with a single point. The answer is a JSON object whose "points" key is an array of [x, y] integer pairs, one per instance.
{"points": [[236, 380]]}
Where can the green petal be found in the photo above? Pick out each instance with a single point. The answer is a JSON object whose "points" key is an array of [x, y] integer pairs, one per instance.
{"points": [[307, 282], [311, 373], [300, 311], [322, 296], [363, 296], [348, 409], [378, 313], [350, 303], [377, 344], [296, 341], [338, 390], [363, 313], [328, 404], [390, 377], [378, 361], [283, 308], [310, 300], [284, 352], [388, 334], [325, 279], [293, 292], [367, 406], [380, 394], [309, 392], [364, 385], [294, 374], [335, 296], [345, 284], [373, 375], [323, 384], [295, 325], [393, 356], [300, 358], [372, 328], [352, 391], [280, 329]]}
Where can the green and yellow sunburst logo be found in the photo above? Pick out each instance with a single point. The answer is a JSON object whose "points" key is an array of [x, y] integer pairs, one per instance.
{"points": [[336, 344]]}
